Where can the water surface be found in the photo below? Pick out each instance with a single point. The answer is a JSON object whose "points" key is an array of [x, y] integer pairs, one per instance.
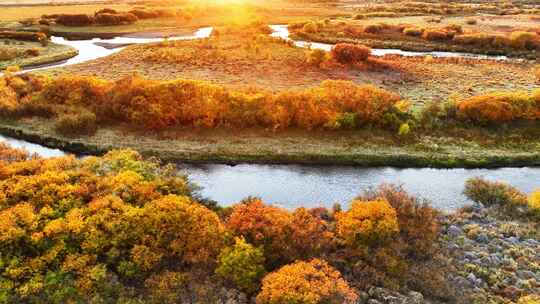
{"points": [[282, 31], [293, 186]]}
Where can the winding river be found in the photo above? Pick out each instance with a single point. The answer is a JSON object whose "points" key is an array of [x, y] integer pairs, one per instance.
{"points": [[97, 47], [292, 186]]}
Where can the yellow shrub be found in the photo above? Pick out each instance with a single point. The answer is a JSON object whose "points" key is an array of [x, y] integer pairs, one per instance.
{"points": [[435, 35], [525, 40], [313, 282], [413, 31], [311, 27], [531, 299], [316, 57], [500, 107], [367, 223], [534, 203]]}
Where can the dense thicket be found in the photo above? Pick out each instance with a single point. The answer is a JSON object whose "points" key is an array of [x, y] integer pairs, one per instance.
{"points": [[158, 105], [120, 228]]}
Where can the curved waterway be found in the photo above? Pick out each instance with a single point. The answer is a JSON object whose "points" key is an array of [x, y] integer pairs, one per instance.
{"points": [[282, 31], [292, 186], [98, 48]]}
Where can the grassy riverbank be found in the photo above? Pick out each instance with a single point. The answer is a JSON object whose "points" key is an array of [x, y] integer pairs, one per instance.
{"points": [[28, 53], [360, 147]]}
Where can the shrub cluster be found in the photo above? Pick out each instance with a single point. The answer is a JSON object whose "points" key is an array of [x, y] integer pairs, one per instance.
{"points": [[107, 17], [503, 195], [75, 19], [450, 34], [243, 264], [119, 228], [115, 18], [306, 282], [284, 236], [161, 104], [22, 35], [500, 107], [82, 122], [367, 223], [74, 230], [534, 203], [493, 193], [348, 53]]}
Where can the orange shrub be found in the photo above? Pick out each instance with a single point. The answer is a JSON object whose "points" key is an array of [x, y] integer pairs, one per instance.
{"points": [[474, 39], [9, 155], [316, 57], [260, 225], [500, 107], [348, 53], [310, 27], [525, 40], [284, 236], [413, 31], [369, 223], [313, 282], [373, 28], [536, 72], [419, 227], [435, 35], [161, 104]]}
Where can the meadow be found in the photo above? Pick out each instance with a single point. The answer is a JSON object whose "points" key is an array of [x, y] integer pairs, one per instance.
{"points": [[124, 225]]}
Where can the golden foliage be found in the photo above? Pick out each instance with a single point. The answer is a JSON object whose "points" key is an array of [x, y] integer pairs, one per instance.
{"points": [[500, 107], [419, 227], [284, 236], [534, 203], [313, 282], [162, 104], [368, 223]]}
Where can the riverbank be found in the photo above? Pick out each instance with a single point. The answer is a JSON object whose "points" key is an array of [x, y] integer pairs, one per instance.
{"points": [[41, 55], [368, 148], [417, 46], [479, 254]]}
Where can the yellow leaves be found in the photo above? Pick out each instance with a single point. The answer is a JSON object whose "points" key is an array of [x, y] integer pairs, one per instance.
{"points": [[15, 222], [188, 231], [534, 203], [403, 105], [54, 227], [367, 223], [313, 282], [144, 257]]}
